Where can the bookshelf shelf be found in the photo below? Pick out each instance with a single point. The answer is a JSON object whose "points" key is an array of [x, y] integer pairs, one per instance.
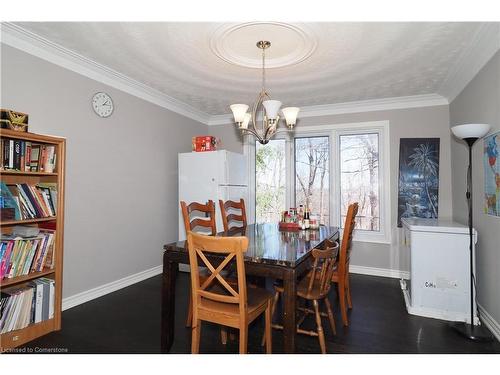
{"points": [[11, 178], [26, 173], [28, 277], [21, 336], [28, 221]]}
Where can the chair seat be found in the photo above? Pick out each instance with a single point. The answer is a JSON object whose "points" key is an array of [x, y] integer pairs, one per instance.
{"points": [[257, 299], [302, 287]]}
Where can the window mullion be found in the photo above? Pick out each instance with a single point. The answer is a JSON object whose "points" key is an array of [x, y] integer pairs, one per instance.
{"points": [[290, 172]]}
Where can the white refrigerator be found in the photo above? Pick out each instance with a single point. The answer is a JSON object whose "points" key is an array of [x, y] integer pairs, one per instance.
{"points": [[211, 175]]}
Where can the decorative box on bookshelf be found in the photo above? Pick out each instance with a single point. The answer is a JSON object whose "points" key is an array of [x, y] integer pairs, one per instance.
{"points": [[31, 249]]}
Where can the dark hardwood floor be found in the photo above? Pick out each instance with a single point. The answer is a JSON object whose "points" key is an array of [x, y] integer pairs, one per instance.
{"points": [[128, 321]]}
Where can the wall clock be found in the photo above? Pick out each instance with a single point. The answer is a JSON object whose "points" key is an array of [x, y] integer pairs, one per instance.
{"points": [[102, 104]]}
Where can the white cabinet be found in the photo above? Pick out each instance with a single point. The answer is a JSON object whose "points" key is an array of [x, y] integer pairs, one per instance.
{"points": [[439, 283]]}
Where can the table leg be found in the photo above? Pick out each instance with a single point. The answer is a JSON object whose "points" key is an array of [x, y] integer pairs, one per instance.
{"points": [[168, 304], [289, 318]]}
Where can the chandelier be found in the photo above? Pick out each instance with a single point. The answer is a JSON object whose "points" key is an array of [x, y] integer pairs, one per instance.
{"points": [[269, 110]]}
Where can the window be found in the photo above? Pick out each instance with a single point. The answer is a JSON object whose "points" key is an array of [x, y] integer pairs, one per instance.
{"points": [[325, 168], [312, 177], [359, 178], [270, 177]]}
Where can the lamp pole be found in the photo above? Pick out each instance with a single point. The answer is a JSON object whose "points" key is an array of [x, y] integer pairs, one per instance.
{"points": [[470, 331]]}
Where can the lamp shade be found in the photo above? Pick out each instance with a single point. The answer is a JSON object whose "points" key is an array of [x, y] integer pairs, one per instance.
{"points": [[246, 120], [470, 130], [239, 111], [272, 107], [290, 114]]}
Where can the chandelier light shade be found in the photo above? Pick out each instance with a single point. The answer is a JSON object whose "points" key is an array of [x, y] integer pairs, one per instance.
{"points": [[246, 120], [290, 114], [470, 130], [272, 108], [239, 111], [265, 111]]}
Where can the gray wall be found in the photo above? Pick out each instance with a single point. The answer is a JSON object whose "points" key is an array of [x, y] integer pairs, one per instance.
{"points": [[479, 102], [404, 123], [121, 180]]}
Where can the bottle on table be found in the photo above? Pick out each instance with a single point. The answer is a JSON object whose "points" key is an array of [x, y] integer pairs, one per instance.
{"points": [[306, 218]]}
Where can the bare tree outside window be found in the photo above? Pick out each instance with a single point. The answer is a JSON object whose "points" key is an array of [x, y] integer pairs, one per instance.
{"points": [[359, 181], [312, 175], [270, 181]]}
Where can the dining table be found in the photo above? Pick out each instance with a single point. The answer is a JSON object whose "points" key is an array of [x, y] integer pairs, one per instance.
{"points": [[272, 253]]}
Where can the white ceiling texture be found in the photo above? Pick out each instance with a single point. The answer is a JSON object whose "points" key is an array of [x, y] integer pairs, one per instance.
{"points": [[209, 66]]}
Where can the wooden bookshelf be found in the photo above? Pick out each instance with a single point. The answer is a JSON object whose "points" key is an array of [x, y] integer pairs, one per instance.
{"points": [[16, 338]]}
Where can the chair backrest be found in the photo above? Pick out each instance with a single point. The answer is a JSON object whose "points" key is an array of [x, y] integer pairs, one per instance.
{"points": [[206, 221], [228, 218], [345, 245], [230, 247], [323, 267]]}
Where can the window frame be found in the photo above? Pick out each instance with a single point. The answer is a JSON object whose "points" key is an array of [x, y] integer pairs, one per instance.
{"points": [[333, 131], [294, 179]]}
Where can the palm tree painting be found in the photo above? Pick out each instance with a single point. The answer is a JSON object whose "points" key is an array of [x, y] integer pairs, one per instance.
{"points": [[418, 178]]}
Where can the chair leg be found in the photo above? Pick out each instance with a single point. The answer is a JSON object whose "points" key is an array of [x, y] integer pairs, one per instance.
{"points": [[321, 334], [195, 337], [330, 315], [189, 318], [269, 318], [273, 309], [343, 307], [348, 287], [243, 338]]}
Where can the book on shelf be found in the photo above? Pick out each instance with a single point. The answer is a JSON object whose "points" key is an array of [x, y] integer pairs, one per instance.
{"points": [[25, 156], [21, 256], [33, 201], [7, 200], [31, 303]]}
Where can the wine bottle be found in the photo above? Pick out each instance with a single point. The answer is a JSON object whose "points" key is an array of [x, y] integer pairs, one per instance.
{"points": [[306, 218]]}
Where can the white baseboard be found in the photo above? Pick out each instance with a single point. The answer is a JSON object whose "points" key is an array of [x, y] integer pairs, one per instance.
{"points": [[383, 272], [489, 322], [113, 286], [88, 295]]}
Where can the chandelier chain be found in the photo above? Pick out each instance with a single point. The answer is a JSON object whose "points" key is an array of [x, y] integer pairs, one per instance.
{"points": [[263, 69]]}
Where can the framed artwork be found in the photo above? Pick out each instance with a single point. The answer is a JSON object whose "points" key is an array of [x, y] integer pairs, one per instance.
{"points": [[492, 175], [418, 191]]}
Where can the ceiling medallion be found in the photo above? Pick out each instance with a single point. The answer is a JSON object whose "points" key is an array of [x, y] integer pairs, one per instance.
{"points": [[231, 43], [268, 107]]}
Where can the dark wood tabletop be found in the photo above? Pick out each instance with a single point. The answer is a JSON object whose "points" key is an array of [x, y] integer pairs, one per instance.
{"points": [[282, 255]]}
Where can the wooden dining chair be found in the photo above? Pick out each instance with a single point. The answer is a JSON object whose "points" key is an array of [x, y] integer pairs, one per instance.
{"points": [[228, 218], [222, 303], [341, 273], [314, 287], [204, 218]]}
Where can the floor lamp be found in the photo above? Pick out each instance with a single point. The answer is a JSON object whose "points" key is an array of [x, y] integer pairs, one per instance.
{"points": [[470, 133]]}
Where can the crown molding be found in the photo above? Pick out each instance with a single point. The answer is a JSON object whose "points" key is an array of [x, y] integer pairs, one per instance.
{"points": [[400, 102], [24, 40], [484, 44]]}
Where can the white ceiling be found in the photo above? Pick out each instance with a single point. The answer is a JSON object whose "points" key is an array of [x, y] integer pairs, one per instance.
{"points": [[209, 65]]}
